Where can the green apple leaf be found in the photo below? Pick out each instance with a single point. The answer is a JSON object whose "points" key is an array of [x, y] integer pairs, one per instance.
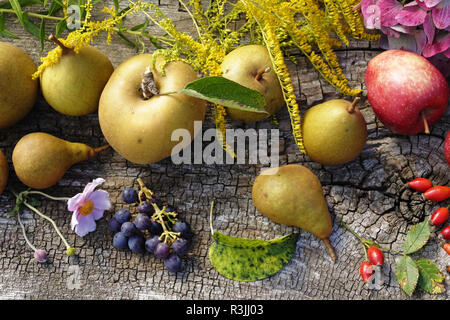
{"points": [[407, 274], [430, 278], [220, 90], [243, 259], [3, 31], [417, 237]]}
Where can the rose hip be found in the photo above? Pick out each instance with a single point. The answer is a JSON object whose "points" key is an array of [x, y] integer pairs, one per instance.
{"points": [[446, 233], [439, 216], [446, 247], [375, 255], [420, 184], [437, 193], [366, 270]]}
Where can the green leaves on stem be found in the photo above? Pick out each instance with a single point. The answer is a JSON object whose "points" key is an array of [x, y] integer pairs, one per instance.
{"points": [[408, 271]]}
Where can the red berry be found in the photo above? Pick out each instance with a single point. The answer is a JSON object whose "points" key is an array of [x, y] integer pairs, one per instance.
{"points": [[366, 270], [437, 193], [446, 233], [375, 255], [447, 248], [420, 184], [439, 216]]}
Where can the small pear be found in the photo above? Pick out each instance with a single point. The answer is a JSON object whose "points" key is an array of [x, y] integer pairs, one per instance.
{"points": [[292, 195], [251, 67], [334, 132], [18, 91], [3, 172], [41, 160], [74, 84]]}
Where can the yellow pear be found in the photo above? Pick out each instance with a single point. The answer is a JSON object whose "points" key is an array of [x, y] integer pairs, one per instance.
{"points": [[251, 67], [3, 171], [292, 195], [18, 91], [74, 84], [334, 132], [140, 129], [41, 160]]}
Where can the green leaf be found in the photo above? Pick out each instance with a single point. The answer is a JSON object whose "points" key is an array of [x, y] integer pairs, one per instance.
{"points": [[124, 38], [15, 5], [417, 237], [220, 90], [140, 26], [116, 6], [3, 31], [31, 27], [42, 35], [430, 278], [244, 259], [407, 274], [22, 3], [60, 28]]}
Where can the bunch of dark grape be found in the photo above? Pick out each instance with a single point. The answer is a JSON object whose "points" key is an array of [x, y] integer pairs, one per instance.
{"points": [[153, 230]]}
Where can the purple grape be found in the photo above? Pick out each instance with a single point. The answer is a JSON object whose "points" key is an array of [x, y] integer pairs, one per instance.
{"points": [[173, 263], [122, 216], [114, 225], [120, 241], [151, 244], [161, 251], [129, 195], [183, 228], [145, 207], [128, 229], [142, 222], [155, 228], [136, 243], [180, 246]]}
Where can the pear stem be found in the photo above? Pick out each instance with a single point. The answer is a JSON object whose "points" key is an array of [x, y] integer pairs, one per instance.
{"points": [[261, 72], [425, 123], [100, 149], [330, 249], [56, 41], [351, 108]]}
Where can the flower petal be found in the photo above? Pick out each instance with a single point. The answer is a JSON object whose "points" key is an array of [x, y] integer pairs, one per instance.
{"points": [[372, 17], [441, 14], [404, 29], [97, 213], [411, 16], [74, 220], [389, 9], [427, 4], [428, 27], [100, 198], [74, 202], [441, 44], [421, 40], [390, 32], [85, 225]]}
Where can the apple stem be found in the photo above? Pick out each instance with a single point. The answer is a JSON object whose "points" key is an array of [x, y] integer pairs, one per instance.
{"points": [[351, 108], [148, 86], [425, 123], [56, 41], [261, 72]]}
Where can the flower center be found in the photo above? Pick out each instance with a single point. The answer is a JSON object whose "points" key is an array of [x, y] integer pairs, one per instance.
{"points": [[87, 208]]}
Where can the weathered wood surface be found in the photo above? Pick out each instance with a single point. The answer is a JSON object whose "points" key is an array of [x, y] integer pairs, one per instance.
{"points": [[367, 193]]}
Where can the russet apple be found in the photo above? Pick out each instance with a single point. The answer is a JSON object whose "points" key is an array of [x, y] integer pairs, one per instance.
{"points": [[251, 67], [140, 129], [406, 92]]}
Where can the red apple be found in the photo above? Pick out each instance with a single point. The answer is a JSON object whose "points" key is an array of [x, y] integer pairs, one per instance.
{"points": [[447, 148], [406, 92]]}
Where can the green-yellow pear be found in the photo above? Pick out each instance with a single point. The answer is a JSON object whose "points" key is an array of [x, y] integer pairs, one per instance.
{"points": [[41, 160], [141, 129], [334, 132], [3, 171], [251, 67], [18, 91], [74, 84], [292, 195]]}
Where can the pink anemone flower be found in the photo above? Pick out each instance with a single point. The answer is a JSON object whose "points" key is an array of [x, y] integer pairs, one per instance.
{"points": [[88, 207]]}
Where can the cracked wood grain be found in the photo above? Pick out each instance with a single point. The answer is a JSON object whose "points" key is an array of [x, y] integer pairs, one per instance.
{"points": [[369, 194]]}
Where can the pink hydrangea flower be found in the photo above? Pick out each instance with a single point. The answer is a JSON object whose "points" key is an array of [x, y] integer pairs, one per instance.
{"points": [[88, 207]]}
